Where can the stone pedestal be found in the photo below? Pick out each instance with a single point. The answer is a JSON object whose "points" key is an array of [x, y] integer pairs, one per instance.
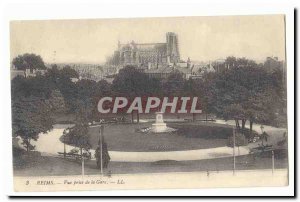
{"points": [[159, 126]]}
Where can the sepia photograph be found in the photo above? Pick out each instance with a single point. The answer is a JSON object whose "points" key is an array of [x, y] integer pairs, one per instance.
{"points": [[149, 103]]}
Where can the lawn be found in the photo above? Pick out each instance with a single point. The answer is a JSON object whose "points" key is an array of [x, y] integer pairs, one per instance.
{"points": [[189, 136]]}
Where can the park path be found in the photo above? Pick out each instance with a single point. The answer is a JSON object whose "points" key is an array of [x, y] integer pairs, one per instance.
{"points": [[49, 144], [255, 127], [275, 133]]}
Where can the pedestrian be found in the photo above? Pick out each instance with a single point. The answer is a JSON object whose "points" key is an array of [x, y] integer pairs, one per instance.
{"points": [[105, 155], [98, 157]]}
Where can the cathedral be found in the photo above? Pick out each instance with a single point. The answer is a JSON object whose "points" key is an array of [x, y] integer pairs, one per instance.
{"points": [[147, 55]]}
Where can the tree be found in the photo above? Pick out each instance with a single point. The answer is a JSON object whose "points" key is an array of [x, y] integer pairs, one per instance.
{"points": [[230, 62], [78, 137], [102, 89], [262, 107], [30, 117], [56, 102], [235, 112], [68, 72], [174, 84], [244, 92], [206, 92], [82, 97], [86, 91], [197, 88], [32, 108], [132, 83], [61, 80], [28, 61]]}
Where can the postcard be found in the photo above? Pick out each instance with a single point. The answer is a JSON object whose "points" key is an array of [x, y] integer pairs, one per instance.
{"points": [[149, 103]]}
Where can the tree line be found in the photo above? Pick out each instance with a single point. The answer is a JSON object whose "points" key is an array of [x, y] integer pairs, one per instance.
{"points": [[244, 92]]}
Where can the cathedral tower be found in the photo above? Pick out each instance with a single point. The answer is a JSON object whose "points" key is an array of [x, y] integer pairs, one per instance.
{"points": [[172, 47]]}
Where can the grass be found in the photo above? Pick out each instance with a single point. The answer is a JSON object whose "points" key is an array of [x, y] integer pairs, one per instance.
{"points": [[123, 137]]}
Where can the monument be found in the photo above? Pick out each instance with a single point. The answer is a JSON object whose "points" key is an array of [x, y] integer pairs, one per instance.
{"points": [[160, 126]]}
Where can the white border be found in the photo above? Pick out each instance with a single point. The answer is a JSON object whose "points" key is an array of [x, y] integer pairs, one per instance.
{"points": [[58, 9]]}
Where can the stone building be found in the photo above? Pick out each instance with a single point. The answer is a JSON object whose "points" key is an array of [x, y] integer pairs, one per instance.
{"points": [[147, 55], [25, 73]]}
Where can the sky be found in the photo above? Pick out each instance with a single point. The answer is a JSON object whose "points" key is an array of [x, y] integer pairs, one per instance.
{"points": [[200, 38]]}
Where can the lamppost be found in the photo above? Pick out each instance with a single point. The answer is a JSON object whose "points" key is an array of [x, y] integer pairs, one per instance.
{"points": [[273, 162], [100, 144], [233, 137]]}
